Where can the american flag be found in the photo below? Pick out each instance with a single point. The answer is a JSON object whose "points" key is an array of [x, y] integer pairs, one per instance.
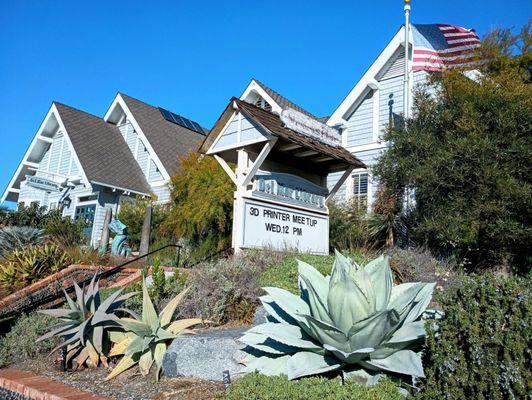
{"points": [[441, 46]]}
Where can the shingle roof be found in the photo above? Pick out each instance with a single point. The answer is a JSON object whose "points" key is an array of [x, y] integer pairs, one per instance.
{"points": [[169, 140], [273, 124], [101, 150], [282, 101]]}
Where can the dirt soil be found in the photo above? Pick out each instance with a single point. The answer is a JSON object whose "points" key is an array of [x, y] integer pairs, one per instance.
{"points": [[128, 386]]}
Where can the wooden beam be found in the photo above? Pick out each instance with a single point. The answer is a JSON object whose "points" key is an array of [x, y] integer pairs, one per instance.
{"points": [[258, 161], [322, 159], [226, 168], [288, 147], [340, 182], [306, 153]]}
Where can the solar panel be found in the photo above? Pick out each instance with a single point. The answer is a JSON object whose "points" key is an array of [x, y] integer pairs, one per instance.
{"points": [[182, 121]]}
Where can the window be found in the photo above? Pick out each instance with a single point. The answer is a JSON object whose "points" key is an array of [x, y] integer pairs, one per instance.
{"points": [[360, 189], [260, 102]]}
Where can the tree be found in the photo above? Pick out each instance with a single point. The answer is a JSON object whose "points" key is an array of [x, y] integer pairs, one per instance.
{"points": [[201, 204], [466, 153]]}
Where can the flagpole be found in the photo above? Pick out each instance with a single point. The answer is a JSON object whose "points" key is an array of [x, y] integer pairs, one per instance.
{"points": [[406, 93]]}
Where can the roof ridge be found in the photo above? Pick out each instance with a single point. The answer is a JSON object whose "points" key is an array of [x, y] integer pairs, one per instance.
{"points": [[286, 100], [77, 109]]}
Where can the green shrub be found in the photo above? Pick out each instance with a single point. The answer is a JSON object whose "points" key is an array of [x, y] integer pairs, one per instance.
{"points": [[63, 231], [161, 289], [32, 215], [482, 349], [467, 152], [132, 215], [261, 387], [285, 274], [419, 265], [224, 291], [17, 237], [348, 226], [201, 204], [20, 343]]}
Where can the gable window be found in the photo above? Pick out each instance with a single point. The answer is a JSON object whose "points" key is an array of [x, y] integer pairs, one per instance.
{"points": [[360, 188], [260, 102]]}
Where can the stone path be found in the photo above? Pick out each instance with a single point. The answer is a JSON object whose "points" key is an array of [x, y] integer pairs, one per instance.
{"points": [[25, 385]]}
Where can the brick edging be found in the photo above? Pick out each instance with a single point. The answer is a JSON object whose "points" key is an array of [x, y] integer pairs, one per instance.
{"points": [[41, 388]]}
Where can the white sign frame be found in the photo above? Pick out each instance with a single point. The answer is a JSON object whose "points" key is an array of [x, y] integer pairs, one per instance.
{"points": [[284, 227]]}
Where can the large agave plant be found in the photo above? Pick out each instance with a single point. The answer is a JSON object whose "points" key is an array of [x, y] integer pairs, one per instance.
{"points": [[144, 341], [18, 237], [356, 321], [86, 323]]}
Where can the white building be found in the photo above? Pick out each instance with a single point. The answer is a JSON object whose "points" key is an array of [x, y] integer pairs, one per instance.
{"points": [[85, 164]]}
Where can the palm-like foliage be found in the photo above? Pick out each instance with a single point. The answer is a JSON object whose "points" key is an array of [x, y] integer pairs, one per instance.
{"points": [[145, 340], [18, 237], [86, 323], [355, 321]]}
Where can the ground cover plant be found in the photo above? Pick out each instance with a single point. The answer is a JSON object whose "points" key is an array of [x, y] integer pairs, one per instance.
{"points": [[481, 348], [260, 387], [356, 322], [20, 343]]}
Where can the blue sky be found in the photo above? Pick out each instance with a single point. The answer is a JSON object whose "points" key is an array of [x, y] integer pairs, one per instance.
{"points": [[192, 56]]}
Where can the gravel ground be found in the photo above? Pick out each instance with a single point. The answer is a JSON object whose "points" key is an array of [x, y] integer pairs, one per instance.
{"points": [[128, 386]]}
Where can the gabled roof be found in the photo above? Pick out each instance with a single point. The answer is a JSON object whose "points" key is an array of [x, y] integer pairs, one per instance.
{"points": [[282, 101], [168, 140], [271, 123], [102, 152]]}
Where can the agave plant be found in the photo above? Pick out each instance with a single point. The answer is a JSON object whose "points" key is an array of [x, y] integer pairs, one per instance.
{"points": [[144, 341], [355, 321], [86, 323], [18, 237]]}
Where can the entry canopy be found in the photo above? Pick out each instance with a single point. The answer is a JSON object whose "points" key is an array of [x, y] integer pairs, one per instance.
{"points": [[291, 138]]}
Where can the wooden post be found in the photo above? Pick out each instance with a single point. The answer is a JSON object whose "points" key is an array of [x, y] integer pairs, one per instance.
{"points": [[146, 232], [104, 241]]}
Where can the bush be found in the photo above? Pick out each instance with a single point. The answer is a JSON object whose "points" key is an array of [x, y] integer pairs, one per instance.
{"points": [[63, 231], [23, 267], [201, 204], [261, 387], [419, 265], [132, 215], [482, 348], [224, 291], [20, 343], [33, 215], [348, 226], [17, 237], [467, 153], [285, 274]]}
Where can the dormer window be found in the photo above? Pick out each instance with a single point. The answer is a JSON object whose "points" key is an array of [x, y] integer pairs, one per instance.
{"points": [[260, 102]]}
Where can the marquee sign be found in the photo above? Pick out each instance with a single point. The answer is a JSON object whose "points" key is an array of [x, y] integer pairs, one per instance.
{"points": [[289, 189], [274, 226], [42, 183], [307, 126]]}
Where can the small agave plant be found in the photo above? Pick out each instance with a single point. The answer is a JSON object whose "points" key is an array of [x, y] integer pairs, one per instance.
{"points": [[355, 321], [85, 324], [144, 341]]}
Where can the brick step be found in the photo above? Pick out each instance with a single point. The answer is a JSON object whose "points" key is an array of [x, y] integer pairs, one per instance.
{"points": [[37, 387]]}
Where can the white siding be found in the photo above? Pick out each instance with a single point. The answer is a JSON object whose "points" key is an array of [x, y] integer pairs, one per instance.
{"points": [[332, 179], [231, 137], [360, 124], [155, 175], [162, 193], [55, 152], [105, 200]]}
